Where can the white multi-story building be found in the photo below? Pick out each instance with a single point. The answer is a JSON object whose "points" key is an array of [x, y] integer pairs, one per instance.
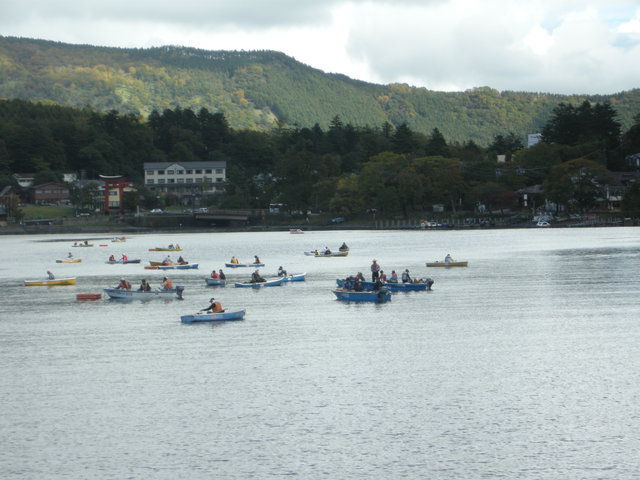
{"points": [[185, 178]]}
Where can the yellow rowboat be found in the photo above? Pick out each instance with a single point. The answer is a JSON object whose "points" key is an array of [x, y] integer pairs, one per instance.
{"points": [[50, 283], [160, 249], [70, 260], [447, 264]]}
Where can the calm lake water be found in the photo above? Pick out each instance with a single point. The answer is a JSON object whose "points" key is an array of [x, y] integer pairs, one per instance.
{"points": [[525, 365]]}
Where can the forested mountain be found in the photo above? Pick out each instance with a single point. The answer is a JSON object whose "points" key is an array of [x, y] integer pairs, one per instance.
{"points": [[265, 89]]}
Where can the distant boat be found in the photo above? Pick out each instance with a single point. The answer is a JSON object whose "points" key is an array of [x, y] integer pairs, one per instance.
{"points": [[134, 260], [447, 264], [274, 282], [50, 283], [88, 296], [296, 277], [141, 295], [175, 266], [296, 231], [320, 254], [167, 249], [70, 260], [381, 296], [162, 264], [82, 245], [213, 317], [215, 281], [244, 265], [543, 223], [421, 285]]}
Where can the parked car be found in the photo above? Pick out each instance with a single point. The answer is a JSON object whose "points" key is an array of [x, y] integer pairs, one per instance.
{"points": [[156, 210]]}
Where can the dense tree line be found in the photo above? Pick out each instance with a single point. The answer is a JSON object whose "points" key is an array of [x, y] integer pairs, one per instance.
{"points": [[262, 90], [343, 168]]}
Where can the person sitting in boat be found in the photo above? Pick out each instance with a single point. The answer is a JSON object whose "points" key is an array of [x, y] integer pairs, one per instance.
{"points": [[144, 286], [343, 247], [177, 247], [448, 258], [256, 260], [50, 276], [124, 285], [234, 260], [360, 276], [171, 247], [222, 275], [182, 261], [124, 258], [256, 277], [70, 256], [357, 286], [75, 244], [282, 272], [112, 258], [348, 283], [377, 285], [214, 307], [167, 260], [327, 251], [86, 242], [394, 277], [382, 276], [406, 278], [215, 275], [167, 284]]}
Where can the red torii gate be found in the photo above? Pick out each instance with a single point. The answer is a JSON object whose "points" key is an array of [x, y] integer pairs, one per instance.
{"points": [[113, 182]]}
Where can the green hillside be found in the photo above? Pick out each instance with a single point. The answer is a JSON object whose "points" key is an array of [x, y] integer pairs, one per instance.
{"points": [[261, 90]]}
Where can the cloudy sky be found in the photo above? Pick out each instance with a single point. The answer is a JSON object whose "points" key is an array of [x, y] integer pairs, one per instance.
{"points": [[557, 46]]}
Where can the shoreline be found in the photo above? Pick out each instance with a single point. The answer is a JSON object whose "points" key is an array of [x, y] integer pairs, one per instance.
{"points": [[121, 230]]}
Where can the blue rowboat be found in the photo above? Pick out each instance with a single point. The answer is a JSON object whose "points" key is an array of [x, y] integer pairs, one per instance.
{"points": [[244, 265], [213, 317], [215, 281], [275, 282], [141, 295], [188, 266], [111, 262], [382, 296], [420, 286], [296, 277]]}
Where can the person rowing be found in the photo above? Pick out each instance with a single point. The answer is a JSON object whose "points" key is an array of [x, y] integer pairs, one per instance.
{"points": [[214, 307]]}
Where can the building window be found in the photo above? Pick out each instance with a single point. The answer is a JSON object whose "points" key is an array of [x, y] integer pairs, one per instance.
{"points": [[198, 172], [189, 172], [150, 181], [171, 172], [220, 180], [160, 172], [189, 180], [150, 172], [181, 180], [161, 180], [180, 172], [208, 170], [171, 180], [219, 170]]}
